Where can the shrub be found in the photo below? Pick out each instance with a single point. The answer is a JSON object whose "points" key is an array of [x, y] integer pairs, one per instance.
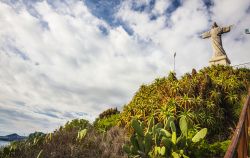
{"points": [[106, 123], [209, 98], [108, 112], [217, 149], [112, 143], [55, 144], [76, 139], [76, 124]]}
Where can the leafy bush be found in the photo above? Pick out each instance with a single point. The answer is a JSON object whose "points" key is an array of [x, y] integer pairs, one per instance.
{"points": [[107, 113], [209, 98], [76, 124], [106, 123], [217, 149]]}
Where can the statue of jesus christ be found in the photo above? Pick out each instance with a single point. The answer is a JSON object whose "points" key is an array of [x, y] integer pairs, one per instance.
{"points": [[215, 34]]}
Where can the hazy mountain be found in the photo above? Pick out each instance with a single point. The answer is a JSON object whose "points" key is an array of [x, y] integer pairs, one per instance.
{"points": [[12, 137]]}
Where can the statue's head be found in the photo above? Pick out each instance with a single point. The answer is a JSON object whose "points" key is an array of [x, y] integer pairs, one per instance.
{"points": [[214, 25]]}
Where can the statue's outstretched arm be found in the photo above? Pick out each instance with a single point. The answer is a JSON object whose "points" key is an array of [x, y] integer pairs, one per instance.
{"points": [[226, 29], [206, 34]]}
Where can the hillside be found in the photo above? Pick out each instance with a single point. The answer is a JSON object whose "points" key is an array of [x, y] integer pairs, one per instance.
{"points": [[208, 100], [12, 137]]}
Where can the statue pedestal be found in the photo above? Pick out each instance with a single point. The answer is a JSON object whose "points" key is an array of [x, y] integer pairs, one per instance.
{"points": [[220, 60]]}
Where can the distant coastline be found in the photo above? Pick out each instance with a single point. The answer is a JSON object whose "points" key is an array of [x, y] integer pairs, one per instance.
{"points": [[12, 137]]}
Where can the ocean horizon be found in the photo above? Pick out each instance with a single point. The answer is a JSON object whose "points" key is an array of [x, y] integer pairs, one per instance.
{"points": [[4, 143]]}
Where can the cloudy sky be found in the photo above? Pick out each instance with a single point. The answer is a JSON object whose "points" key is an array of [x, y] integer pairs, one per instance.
{"points": [[62, 60]]}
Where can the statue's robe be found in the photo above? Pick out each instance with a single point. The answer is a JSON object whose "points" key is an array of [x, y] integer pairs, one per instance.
{"points": [[215, 34]]}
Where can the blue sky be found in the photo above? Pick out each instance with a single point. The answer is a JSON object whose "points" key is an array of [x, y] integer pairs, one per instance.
{"points": [[61, 60]]}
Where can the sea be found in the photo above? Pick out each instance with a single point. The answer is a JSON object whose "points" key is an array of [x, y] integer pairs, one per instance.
{"points": [[4, 143]]}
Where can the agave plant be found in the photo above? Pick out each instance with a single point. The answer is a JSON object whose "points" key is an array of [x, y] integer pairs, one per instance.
{"points": [[231, 97], [188, 114], [215, 96], [210, 105], [175, 89], [167, 110], [186, 101]]}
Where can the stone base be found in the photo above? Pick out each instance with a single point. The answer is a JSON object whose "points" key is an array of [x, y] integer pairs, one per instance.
{"points": [[220, 60]]}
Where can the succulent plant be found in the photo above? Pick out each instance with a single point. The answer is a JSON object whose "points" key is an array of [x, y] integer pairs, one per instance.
{"points": [[141, 143], [81, 134], [209, 98], [162, 141]]}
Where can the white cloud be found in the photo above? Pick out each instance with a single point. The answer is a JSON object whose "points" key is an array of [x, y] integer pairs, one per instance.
{"points": [[161, 6], [56, 62], [70, 67], [186, 23]]}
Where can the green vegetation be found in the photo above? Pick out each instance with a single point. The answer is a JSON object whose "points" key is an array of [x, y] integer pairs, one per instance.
{"points": [[188, 117], [211, 98], [77, 138], [109, 112], [105, 124], [164, 140], [107, 119]]}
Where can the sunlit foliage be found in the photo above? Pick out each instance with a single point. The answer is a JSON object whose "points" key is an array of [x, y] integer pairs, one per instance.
{"points": [[210, 98]]}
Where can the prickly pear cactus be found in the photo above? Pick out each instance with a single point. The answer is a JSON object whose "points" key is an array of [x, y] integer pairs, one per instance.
{"points": [[161, 140]]}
